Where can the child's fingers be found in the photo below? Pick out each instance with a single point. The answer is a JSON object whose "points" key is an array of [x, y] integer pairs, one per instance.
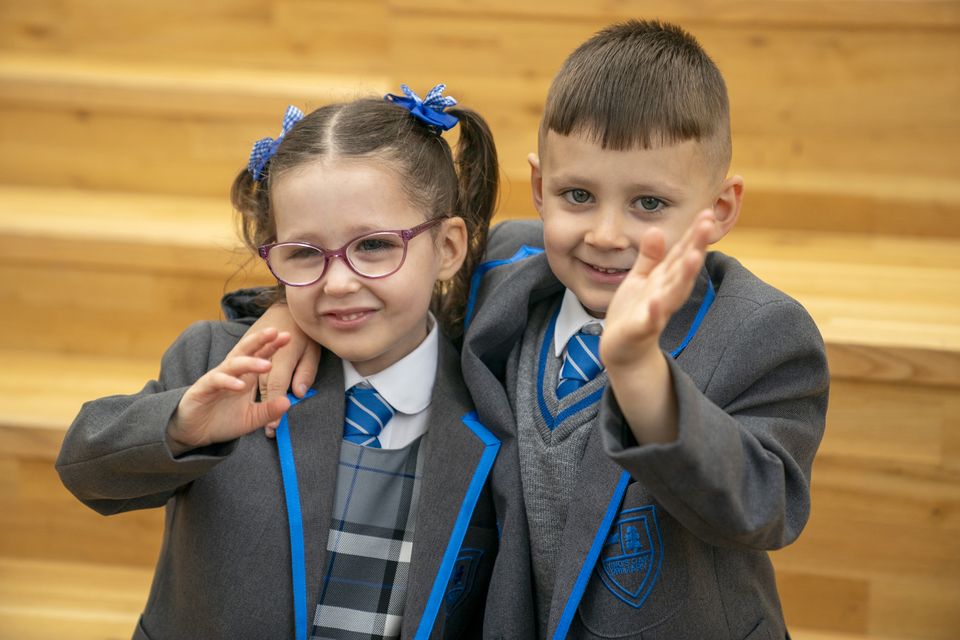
{"points": [[270, 411], [306, 371], [652, 249], [253, 341], [238, 366], [269, 349], [222, 381]]}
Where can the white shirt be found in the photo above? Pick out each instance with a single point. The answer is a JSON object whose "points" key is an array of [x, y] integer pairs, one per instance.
{"points": [[408, 386], [570, 320]]}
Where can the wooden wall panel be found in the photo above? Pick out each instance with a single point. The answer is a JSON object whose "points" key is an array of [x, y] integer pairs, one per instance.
{"points": [[343, 37], [842, 112]]}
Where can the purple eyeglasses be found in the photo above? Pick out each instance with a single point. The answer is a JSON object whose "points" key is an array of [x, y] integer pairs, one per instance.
{"points": [[373, 255]]}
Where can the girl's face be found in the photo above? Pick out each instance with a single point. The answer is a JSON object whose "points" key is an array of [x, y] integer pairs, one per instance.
{"points": [[370, 323]]}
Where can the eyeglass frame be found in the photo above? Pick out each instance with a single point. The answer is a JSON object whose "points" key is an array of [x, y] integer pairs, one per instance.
{"points": [[405, 234]]}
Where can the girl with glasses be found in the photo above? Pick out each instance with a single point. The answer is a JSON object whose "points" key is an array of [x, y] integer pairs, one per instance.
{"points": [[370, 515]]}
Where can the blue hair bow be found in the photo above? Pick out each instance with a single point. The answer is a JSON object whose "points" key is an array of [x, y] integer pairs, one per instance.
{"points": [[429, 110], [264, 148]]}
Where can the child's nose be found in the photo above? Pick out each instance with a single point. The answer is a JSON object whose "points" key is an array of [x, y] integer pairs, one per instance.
{"points": [[608, 232], [340, 280]]}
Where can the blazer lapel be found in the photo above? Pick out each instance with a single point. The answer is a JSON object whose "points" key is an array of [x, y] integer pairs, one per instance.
{"points": [[596, 487], [681, 321], [316, 430], [453, 466], [502, 310]]}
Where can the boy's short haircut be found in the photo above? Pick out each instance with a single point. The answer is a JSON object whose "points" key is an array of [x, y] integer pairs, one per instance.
{"points": [[641, 84]]}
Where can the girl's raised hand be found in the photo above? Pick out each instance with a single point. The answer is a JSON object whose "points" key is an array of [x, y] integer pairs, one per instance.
{"points": [[221, 405]]}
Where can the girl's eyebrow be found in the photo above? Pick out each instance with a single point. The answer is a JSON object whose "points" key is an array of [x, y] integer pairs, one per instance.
{"points": [[351, 232]]}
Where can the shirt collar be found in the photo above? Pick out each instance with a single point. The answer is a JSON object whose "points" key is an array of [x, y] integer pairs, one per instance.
{"points": [[408, 383], [570, 320]]}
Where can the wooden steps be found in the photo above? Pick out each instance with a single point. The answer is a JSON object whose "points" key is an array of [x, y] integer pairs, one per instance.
{"points": [[87, 105], [73, 122], [123, 125], [112, 273], [887, 476]]}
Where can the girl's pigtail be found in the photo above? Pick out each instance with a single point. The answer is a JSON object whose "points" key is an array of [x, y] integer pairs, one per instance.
{"points": [[251, 200], [478, 174]]}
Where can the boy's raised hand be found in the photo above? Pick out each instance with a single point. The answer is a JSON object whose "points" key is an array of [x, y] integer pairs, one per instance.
{"points": [[654, 289], [295, 367], [221, 405]]}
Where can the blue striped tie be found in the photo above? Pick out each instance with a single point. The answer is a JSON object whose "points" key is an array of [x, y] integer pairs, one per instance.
{"points": [[366, 414], [581, 364]]}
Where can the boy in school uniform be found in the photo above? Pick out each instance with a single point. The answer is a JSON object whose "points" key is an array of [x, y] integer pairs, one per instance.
{"points": [[659, 407], [665, 408]]}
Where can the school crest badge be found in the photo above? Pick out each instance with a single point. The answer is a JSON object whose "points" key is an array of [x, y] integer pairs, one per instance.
{"points": [[461, 579], [630, 561]]}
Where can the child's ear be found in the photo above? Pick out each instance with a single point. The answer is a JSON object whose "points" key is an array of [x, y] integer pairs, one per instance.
{"points": [[726, 208], [451, 247], [536, 182]]}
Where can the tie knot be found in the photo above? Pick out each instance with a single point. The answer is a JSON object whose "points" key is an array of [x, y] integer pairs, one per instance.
{"points": [[582, 361], [591, 329], [365, 416]]}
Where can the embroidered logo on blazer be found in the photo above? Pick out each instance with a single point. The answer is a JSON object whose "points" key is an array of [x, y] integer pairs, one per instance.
{"points": [[630, 561], [461, 579]]}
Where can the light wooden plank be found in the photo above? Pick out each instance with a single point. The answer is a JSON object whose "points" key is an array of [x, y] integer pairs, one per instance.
{"points": [[915, 608], [42, 599], [44, 390], [41, 520], [108, 311], [263, 34], [879, 520], [845, 13], [159, 87], [824, 602]]}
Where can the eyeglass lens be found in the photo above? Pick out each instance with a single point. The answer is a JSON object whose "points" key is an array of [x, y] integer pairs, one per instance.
{"points": [[374, 255]]}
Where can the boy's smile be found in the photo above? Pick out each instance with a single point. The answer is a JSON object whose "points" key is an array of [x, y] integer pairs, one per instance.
{"points": [[597, 203]]}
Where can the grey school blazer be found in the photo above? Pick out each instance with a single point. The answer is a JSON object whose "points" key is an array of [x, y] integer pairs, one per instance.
{"points": [[663, 541], [224, 569]]}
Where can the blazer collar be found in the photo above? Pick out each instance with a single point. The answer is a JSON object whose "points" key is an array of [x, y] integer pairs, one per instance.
{"points": [[585, 514], [452, 458], [316, 431], [681, 321]]}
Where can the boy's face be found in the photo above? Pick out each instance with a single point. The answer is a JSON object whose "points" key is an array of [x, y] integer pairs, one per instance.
{"points": [[597, 203]]}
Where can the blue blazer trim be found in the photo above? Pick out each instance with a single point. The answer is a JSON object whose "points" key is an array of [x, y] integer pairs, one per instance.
{"points": [[480, 474], [524, 252], [566, 618], [291, 493], [708, 299]]}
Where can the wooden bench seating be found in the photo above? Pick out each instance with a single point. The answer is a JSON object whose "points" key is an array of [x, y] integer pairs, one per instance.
{"points": [[887, 477], [123, 124]]}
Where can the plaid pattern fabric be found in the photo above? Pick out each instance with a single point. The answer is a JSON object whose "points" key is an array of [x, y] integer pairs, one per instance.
{"points": [[364, 589]]}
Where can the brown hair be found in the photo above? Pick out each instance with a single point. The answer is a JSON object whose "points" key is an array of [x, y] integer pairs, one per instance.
{"points": [[433, 178], [641, 84]]}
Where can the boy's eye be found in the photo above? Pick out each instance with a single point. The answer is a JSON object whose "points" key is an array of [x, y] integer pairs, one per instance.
{"points": [[577, 196], [650, 203]]}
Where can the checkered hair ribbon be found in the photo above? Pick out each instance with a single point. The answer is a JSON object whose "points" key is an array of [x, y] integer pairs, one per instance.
{"points": [[430, 109], [264, 148]]}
